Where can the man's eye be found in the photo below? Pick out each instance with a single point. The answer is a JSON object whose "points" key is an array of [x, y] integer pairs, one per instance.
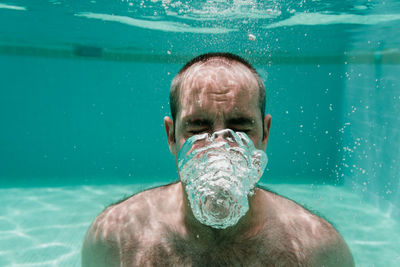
{"points": [[197, 131]]}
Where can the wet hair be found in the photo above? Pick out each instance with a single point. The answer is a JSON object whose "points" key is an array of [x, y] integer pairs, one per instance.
{"points": [[219, 58]]}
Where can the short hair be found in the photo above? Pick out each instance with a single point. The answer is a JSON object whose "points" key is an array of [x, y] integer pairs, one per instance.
{"points": [[176, 84]]}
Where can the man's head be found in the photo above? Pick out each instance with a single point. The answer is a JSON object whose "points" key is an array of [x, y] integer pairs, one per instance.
{"points": [[216, 91]]}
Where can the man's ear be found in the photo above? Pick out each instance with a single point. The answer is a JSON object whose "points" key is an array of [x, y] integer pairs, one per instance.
{"points": [[170, 131], [267, 126]]}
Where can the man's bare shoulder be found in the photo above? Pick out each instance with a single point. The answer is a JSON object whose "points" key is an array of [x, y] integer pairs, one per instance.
{"points": [[128, 223], [139, 207], [307, 233]]}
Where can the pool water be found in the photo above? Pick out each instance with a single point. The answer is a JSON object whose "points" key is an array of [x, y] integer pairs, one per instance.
{"points": [[44, 227], [84, 88]]}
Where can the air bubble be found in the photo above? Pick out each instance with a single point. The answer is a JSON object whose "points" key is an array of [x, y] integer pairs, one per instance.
{"points": [[252, 37]]}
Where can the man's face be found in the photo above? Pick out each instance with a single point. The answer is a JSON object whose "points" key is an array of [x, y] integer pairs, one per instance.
{"points": [[216, 97]]}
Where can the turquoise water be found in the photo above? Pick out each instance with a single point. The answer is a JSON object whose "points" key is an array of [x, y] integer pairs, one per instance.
{"points": [[84, 87]]}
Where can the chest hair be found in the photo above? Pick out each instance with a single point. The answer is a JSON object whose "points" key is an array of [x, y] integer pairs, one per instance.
{"points": [[255, 251]]}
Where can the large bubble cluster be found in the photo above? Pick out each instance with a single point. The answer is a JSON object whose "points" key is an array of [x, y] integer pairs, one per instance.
{"points": [[219, 172]]}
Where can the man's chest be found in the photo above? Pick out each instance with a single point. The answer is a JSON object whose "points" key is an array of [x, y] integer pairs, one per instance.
{"points": [[245, 253]]}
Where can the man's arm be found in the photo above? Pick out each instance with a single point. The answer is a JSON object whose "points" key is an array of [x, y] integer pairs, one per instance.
{"points": [[100, 247], [333, 252]]}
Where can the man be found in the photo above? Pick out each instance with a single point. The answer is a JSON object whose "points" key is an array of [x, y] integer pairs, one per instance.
{"points": [[159, 227]]}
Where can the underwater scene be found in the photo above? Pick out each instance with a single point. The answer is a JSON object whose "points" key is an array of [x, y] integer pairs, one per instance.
{"points": [[84, 88]]}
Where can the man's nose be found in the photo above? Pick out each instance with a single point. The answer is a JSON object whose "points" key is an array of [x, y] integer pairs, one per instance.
{"points": [[223, 135]]}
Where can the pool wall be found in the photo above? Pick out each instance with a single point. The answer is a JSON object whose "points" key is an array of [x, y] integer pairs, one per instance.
{"points": [[371, 134], [88, 121]]}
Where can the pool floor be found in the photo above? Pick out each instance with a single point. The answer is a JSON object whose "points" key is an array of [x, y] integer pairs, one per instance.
{"points": [[45, 227]]}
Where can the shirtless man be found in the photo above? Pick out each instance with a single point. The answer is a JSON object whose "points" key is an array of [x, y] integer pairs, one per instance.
{"points": [[157, 227]]}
